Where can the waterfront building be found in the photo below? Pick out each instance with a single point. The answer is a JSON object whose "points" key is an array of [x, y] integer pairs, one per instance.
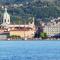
{"points": [[52, 28], [24, 30]]}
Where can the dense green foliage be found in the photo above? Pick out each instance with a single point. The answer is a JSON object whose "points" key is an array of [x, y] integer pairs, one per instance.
{"points": [[42, 9], [43, 35]]}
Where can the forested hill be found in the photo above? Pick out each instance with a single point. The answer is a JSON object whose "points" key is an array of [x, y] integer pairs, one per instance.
{"points": [[42, 9], [38, 8]]}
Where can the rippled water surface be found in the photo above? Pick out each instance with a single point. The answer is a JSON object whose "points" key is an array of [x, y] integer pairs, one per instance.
{"points": [[29, 50]]}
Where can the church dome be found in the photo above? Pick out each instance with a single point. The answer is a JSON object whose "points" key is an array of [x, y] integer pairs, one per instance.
{"points": [[6, 15]]}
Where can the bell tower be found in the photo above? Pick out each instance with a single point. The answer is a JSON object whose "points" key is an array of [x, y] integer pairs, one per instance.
{"points": [[6, 17]]}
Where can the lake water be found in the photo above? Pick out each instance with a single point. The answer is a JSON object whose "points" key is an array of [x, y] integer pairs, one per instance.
{"points": [[29, 50]]}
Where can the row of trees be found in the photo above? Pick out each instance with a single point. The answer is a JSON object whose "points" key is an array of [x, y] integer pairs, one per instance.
{"points": [[14, 36], [41, 35]]}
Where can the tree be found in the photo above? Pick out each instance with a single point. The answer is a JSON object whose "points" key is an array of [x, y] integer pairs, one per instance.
{"points": [[43, 35]]}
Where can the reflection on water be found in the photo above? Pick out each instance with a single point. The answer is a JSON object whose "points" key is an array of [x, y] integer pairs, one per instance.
{"points": [[29, 50]]}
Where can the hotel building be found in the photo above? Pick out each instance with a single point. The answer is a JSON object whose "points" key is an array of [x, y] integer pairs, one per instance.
{"points": [[52, 28]]}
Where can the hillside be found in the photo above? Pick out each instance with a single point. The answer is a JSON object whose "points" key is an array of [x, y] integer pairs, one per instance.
{"points": [[40, 9]]}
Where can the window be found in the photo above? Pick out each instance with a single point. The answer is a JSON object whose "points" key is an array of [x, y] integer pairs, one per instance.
{"points": [[8, 20], [5, 20]]}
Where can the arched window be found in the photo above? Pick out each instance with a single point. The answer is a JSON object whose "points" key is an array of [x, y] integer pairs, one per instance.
{"points": [[8, 20], [5, 20]]}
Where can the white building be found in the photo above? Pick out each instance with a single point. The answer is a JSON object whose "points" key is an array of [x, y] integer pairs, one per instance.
{"points": [[52, 28], [6, 18]]}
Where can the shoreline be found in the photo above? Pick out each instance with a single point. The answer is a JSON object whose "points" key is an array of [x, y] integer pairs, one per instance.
{"points": [[34, 39]]}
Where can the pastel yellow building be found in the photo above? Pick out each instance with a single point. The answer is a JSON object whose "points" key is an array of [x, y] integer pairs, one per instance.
{"points": [[23, 34]]}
